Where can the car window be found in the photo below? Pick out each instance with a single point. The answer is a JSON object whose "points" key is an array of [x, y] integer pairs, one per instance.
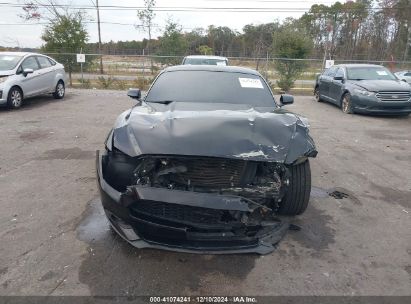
{"points": [[407, 74], [52, 61], [8, 62], [44, 62], [30, 63], [211, 87], [339, 73], [331, 71], [369, 73]]}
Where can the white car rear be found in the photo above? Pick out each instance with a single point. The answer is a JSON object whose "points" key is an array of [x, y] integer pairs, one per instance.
{"points": [[24, 75]]}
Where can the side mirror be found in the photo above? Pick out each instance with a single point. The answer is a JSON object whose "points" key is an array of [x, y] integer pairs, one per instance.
{"points": [[134, 93], [27, 71], [339, 78], [403, 80], [286, 99]]}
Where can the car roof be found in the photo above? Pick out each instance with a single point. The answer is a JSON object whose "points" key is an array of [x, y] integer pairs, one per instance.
{"points": [[212, 68], [19, 54], [359, 65], [206, 57]]}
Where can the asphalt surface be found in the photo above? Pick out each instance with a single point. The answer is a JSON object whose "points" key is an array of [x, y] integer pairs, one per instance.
{"points": [[56, 241]]}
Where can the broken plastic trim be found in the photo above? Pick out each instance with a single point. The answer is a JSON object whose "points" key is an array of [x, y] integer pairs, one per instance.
{"points": [[269, 234]]}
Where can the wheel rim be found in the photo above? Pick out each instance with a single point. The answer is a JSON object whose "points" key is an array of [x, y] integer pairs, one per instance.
{"points": [[16, 98], [60, 90], [345, 105]]}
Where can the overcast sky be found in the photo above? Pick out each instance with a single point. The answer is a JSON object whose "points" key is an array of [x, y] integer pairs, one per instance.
{"points": [[26, 34]]}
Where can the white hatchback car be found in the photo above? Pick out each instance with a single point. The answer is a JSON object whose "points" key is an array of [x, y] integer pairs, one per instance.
{"points": [[25, 75]]}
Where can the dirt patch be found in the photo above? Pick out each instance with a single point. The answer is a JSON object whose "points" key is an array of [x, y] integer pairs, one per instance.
{"points": [[34, 135], [342, 193], [404, 158], [393, 196], [70, 153], [48, 276], [379, 134], [3, 270], [30, 122]]}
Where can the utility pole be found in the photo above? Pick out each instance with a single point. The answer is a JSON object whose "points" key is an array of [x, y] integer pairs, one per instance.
{"points": [[99, 38]]}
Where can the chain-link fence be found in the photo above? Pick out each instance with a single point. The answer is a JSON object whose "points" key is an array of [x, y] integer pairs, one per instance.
{"points": [[124, 71]]}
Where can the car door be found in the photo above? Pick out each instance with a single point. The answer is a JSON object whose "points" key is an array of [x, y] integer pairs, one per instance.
{"points": [[46, 75], [30, 83], [336, 86], [324, 82]]}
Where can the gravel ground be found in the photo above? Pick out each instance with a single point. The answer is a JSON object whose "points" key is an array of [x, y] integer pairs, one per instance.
{"points": [[56, 241]]}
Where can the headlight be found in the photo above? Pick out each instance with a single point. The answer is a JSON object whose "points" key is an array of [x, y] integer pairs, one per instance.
{"points": [[363, 92], [3, 79]]}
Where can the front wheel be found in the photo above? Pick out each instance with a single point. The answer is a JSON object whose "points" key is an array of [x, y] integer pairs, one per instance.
{"points": [[317, 94], [346, 104], [296, 198], [60, 90], [15, 98]]}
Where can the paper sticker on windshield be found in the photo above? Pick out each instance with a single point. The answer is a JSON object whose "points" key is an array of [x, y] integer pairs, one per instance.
{"points": [[251, 83], [382, 73]]}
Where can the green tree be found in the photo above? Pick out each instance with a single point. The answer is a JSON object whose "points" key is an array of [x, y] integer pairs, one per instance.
{"points": [[65, 36], [172, 43], [146, 18], [289, 44], [205, 50]]}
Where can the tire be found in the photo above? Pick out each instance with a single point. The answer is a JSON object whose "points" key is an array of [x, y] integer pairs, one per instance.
{"points": [[317, 94], [346, 104], [60, 90], [297, 196], [15, 98]]}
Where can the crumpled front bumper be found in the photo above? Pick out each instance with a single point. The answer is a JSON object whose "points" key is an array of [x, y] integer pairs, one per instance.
{"points": [[175, 233]]}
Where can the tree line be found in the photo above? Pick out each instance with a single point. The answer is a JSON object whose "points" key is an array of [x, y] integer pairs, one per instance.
{"points": [[368, 30], [360, 30]]}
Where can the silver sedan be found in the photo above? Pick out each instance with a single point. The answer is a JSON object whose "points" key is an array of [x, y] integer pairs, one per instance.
{"points": [[25, 75], [404, 75]]}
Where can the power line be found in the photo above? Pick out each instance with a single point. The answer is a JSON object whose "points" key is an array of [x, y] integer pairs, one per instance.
{"points": [[195, 9]]}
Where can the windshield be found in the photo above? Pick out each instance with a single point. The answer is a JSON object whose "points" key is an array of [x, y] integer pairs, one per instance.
{"points": [[204, 61], [211, 87], [8, 62], [369, 73]]}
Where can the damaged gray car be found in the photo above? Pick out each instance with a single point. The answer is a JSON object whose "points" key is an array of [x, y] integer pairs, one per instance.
{"points": [[206, 162]]}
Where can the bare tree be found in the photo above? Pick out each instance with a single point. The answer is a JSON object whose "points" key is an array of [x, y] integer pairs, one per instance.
{"points": [[146, 18], [47, 10]]}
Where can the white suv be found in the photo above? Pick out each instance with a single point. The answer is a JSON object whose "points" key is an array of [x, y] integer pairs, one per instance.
{"points": [[25, 75], [204, 60]]}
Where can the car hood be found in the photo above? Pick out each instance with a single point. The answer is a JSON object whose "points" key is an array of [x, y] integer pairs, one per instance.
{"points": [[6, 73], [382, 85], [214, 130]]}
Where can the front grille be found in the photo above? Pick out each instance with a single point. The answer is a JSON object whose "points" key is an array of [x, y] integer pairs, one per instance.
{"points": [[211, 172], [399, 96], [180, 213]]}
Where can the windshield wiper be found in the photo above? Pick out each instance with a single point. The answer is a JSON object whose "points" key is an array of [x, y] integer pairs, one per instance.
{"points": [[165, 102], [357, 79]]}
